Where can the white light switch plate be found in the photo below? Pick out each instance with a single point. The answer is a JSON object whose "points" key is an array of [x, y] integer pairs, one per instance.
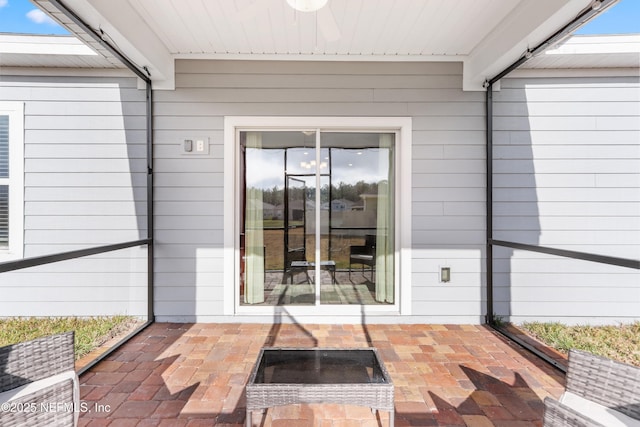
{"points": [[199, 146]]}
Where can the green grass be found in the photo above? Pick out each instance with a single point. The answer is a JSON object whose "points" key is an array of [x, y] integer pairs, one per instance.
{"points": [[620, 342], [89, 332]]}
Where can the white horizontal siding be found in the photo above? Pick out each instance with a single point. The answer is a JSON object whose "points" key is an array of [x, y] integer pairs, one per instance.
{"points": [[84, 165], [564, 137], [84, 194], [106, 284], [87, 122], [585, 208], [61, 179], [95, 208], [248, 95], [48, 249], [81, 136], [567, 109], [564, 123], [82, 108], [312, 81], [64, 285], [108, 307], [85, 186], [185, 265], [448, 170], [594, 93], [231, 108], [567, 164], [57, 93], [566, 151], [83, 151], [79, 237], [563, 165]]}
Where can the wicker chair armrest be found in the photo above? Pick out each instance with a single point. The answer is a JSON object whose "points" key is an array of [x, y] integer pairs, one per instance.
{"points": [[35, 375], [558, 415], [34, 360], [604, 381]]}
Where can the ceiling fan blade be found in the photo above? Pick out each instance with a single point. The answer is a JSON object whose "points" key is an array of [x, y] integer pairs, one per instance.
{"points": [[327, 24], [254, 9]]}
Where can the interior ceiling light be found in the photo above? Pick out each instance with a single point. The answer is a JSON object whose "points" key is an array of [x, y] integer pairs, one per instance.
{"points": [[307, 5]]}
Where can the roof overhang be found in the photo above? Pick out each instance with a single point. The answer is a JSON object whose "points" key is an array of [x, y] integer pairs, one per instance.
{"points": [[485, 35], [603, 51], [28, 50]]}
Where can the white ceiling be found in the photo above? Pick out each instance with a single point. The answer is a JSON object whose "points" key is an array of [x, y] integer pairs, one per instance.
{"points": [[364, 27], [486, 35]]}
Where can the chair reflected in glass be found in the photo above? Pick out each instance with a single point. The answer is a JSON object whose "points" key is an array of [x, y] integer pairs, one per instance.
{"points": [[296, 262], [364, 255]]}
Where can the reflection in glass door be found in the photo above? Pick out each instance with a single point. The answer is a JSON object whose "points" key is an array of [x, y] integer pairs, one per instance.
{"points": [[295, 220], [357, 225], [296, 241], [317, 215]]}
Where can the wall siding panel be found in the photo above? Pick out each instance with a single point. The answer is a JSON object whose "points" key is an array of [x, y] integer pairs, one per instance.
{"points": [[448, 167], [85, 180], [567, 163]]}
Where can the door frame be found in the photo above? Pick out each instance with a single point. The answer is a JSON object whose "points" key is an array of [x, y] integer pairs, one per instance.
{"points": [[402, 126]]}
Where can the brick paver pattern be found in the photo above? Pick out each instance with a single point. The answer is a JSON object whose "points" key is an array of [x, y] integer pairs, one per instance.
{"points": [[195, 374]]}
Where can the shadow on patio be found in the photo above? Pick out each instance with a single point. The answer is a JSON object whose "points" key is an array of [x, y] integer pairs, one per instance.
{"points": [[195, 374]]}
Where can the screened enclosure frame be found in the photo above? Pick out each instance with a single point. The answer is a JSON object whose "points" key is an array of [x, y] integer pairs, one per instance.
{"points": [[148, 241], [490, 316]]}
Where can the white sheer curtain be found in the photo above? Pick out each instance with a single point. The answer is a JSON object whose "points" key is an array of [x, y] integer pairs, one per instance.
{"points": [[254, 232], [384, 224]]}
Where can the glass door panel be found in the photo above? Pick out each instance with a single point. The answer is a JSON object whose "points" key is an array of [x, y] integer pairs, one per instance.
{"points": [[328, 268], [274, 223], [299, 242], [358, 224], [295, 215], [317, 215]]}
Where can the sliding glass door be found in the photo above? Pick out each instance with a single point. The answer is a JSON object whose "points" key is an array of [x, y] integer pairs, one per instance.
{"points": [[317, 218]]}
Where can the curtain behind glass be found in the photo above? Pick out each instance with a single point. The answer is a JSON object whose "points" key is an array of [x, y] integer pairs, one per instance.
{"points": [[384, 225], [254, 233]]}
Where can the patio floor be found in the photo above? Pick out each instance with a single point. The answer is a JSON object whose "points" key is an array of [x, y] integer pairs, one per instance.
{"points": [[194, 375]]}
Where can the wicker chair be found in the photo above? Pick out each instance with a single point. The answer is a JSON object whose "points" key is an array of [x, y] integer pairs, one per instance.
{"points": [[599, 392], [38, 383]]}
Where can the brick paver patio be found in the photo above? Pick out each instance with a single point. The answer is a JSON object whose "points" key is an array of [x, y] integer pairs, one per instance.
{"points": [[194, 375]]}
